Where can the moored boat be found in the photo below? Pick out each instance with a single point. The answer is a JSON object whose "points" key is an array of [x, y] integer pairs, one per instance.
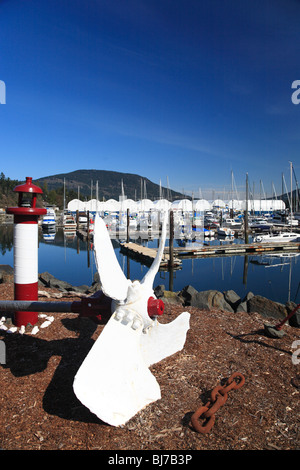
{"points": [[225, 231], [261, 224], [279, 238], [49, 220], [69, 222]]}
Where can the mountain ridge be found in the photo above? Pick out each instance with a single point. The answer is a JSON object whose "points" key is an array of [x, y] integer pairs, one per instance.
{"points": [[110, 184]]}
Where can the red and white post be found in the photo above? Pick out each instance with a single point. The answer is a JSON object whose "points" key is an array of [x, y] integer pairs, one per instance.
{"points": [[26, 248]]}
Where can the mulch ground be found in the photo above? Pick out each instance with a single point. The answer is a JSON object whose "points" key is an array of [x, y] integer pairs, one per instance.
{"points": [[38, 408]]}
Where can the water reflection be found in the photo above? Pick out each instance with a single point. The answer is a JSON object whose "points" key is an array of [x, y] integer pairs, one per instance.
{"points": [[70, 258]]}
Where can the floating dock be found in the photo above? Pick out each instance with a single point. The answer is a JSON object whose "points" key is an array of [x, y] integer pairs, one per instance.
{"points": [[147, 255], [235, 249]]}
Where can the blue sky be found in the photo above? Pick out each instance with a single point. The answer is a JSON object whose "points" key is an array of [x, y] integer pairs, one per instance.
{"points": [[185, 91]]}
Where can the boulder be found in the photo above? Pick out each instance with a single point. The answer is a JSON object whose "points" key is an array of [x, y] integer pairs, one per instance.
{"points": [[232, 299], [50, 281], [248, 297], [159, 291], [187, 293], [45, 278], [210, 299], [266, 308], [220, 302], [171, 298], [242, 307], [295, 318], [6, 273]]}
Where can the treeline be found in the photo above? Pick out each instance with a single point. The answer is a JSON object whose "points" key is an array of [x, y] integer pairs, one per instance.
{"points": [[53, 197], [56, 197], [7, 196], [7, 185]]}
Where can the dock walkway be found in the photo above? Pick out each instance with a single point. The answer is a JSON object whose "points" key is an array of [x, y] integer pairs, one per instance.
{"points": [[235, 249], [147, 255]]}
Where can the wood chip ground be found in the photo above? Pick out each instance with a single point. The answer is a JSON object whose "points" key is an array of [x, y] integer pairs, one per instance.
{"points": [[38, 409]]}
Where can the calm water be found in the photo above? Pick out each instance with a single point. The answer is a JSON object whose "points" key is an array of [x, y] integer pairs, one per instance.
{"points": [[69, 259]]}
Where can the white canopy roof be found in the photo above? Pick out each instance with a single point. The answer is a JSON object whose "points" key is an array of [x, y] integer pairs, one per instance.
{"points": [[182, 204], [201, 205]]}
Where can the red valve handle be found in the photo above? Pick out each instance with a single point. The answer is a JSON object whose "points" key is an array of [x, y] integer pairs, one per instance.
{"points": [[155, 307]]}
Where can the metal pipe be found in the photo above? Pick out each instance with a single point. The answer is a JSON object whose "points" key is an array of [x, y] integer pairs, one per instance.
{"points": [[36, 306]]}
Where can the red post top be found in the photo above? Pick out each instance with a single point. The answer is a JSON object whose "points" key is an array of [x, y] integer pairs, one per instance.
{"points": [[28, 187], [27, 200]]}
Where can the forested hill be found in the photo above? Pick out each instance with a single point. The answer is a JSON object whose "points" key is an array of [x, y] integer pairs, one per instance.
{"points": [[109, 185]]}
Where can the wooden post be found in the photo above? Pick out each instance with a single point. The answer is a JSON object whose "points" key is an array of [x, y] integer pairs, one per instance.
{"points": [[171, 240], [246, 213], [88, 225], [127, 225]]}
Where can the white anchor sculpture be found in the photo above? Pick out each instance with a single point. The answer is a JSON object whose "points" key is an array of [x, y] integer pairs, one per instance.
{"points": [[114, 380]]}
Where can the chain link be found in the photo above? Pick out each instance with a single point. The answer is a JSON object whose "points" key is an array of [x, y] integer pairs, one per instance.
{"points": [[218, 398]]}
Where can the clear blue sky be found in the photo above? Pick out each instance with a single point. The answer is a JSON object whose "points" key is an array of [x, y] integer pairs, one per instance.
{"points": [[185, 89]]}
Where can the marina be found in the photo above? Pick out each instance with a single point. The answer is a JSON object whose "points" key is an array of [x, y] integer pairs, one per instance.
{"points": [[205, 263]]}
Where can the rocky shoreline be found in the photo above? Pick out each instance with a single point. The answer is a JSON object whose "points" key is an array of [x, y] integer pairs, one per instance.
{"points": [[228, 301]]}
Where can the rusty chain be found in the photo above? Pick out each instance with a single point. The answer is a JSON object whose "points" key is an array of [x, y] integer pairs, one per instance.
{"points": [[218, 398]]}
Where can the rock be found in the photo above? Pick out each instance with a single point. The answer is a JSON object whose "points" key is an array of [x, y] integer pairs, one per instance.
{"points": [[295, 318], [266, 308], [6, 268], [248, 297], [159, 291], [187, 293], [242, 307], [81, 289], [96, 285], [219, 302], [210, 299], [6, 273], [94, 288], [272, 332], [232, 299], [45, 278], [50, 281], [171, 298]]}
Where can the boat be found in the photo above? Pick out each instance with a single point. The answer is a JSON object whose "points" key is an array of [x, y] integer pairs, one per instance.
{"points": [[82, 220], [233, 223], [278, 238], [261, 224], [225, 231], [206, 232], [69, 222], [49, 235], [49, 220]]}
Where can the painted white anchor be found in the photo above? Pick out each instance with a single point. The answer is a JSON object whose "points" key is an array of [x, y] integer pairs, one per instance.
{"points": [[114, 380]]}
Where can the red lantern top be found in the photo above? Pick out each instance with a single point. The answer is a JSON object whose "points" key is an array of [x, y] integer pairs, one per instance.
{"points": [[27, 200], [28, 187]]}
